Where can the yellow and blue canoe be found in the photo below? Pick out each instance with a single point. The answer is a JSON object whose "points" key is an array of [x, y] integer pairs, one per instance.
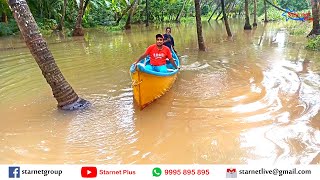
{"points": [[150, 85]]}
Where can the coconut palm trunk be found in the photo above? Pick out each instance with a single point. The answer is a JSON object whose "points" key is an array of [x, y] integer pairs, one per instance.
{"points": [[265, 11], [199, 26], [65, 95], [78, 30], [254, 13], [226, 10], [247, 25], [147, 13], [315, 14], [225, 19]]}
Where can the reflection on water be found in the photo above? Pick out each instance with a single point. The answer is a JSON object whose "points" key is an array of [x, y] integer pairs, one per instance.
{"points": [[252, 98]]}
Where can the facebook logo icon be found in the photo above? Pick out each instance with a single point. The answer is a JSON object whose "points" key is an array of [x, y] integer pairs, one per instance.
{"points": [[14, 172]]}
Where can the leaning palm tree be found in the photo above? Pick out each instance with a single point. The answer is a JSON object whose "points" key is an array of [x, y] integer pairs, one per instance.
{"points": [[61, 89], [199, 26]]}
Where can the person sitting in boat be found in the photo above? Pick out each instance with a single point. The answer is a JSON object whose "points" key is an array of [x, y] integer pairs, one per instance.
{"points": [[158, 54], [168, 39]]}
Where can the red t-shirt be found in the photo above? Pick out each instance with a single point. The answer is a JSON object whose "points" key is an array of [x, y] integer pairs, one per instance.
{"points": [[158, 56]]}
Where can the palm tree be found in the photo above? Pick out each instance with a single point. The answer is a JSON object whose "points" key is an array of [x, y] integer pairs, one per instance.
{"points": [[265, 11], [147, 13], [65, 95], [315, 14], [78, 30], [254, 13], [225, 19], [199, 26], [247, 25]]}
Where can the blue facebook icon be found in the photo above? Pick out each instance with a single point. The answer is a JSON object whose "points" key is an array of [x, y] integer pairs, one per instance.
{"points": [[14, 172]]}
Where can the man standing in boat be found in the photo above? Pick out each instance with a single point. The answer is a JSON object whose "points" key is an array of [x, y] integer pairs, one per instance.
{"points": [[168, 39], [158, 54]]}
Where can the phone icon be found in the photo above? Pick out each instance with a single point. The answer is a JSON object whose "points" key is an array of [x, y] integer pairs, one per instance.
{"points": [[156, 172]]}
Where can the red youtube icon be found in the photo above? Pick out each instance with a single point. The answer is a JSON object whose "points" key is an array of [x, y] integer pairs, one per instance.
{"points": [[89, 172]]}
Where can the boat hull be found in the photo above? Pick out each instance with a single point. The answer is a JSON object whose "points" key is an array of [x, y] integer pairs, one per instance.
{"points": [[148, 87]]}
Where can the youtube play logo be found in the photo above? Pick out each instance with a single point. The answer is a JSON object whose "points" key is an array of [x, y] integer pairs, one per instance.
{"points": [[89, 172]]}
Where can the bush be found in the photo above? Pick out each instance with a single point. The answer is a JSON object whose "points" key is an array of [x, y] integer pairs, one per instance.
{"points": [[298, 27], [46, 24], [5, 29], [188, 19], [314, 43], [8, 28]]}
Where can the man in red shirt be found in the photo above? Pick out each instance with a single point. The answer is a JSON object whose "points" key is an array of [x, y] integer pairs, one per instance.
{"points": [[158, 54]]}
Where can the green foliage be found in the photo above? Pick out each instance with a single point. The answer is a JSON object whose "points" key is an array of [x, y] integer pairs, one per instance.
{"points": [[188, 19], [106, 12], [4, 7], [293, 27], [71, 14], [298, 27], [47, 24], [160, 13], [205, 10], [314, 43], [296, 5], [273, 15], [8, 28], [49, 9], [98, 14], [5, 29], [103, 12], [110, 28], [163, 10]]}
